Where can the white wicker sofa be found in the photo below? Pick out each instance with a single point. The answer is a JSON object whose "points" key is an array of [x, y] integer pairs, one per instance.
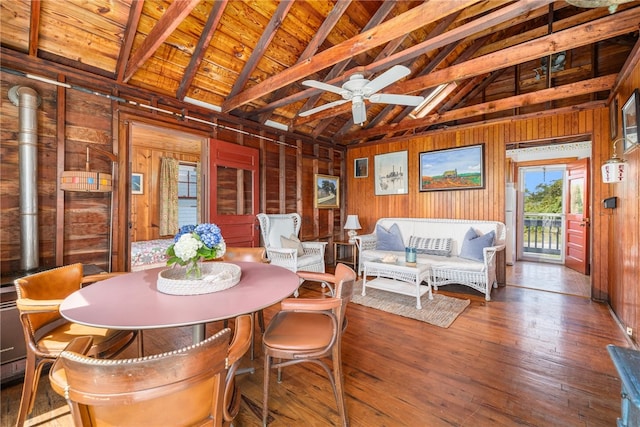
{"points": [[478, 273]]}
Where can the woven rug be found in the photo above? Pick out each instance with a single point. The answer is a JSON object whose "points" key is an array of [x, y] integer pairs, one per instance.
{"points": [[441, 311]]}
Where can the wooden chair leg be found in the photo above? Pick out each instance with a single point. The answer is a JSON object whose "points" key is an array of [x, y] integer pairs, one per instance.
{"points": [[27, 389]]}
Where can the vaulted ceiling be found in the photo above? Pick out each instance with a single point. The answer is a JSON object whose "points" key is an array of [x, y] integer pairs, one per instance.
{"points": [[478, 60]]}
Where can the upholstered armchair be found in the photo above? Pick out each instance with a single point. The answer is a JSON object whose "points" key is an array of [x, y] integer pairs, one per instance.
{"points": [[280, 234], [194, 385], [47, 333], [310, 330]]}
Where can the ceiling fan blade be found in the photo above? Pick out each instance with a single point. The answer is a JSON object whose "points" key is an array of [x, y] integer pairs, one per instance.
{"points": [[323, 86], [390, 98], [359, 112], [323, 107], [392, 75]]}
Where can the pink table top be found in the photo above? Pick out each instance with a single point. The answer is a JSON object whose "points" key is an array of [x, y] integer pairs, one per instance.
{"points": [[132, 301]]}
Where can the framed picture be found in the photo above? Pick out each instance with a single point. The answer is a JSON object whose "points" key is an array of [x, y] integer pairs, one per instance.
{"points": [[327, 191], [631, 121], [361, 167], [613, 118], [391, 173], [137, 183], [452, 169]]}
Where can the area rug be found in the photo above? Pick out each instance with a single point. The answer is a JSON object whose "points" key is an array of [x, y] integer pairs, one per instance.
{"points": [[441, 311]]}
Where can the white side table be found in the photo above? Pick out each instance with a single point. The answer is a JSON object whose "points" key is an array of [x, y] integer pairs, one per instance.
{"points": [[399, 278]]}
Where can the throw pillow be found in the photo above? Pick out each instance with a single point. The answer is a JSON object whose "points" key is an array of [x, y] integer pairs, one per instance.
{"points": [[292, 242], [473, 245], [389, 240], [431, 246]]}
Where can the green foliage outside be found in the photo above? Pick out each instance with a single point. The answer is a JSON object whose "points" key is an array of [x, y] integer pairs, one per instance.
{"points": [[546, 198]]}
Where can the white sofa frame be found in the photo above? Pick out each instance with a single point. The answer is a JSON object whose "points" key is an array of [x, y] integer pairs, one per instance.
{"points": [[481, 278]]}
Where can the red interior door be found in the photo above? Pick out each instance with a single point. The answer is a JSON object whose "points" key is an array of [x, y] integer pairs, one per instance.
{"points": [[577, 217], [234, 192]]}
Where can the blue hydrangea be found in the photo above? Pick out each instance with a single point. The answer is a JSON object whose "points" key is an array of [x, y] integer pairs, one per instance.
{"points": [[184, 230], [209, 234], [202, 241]]}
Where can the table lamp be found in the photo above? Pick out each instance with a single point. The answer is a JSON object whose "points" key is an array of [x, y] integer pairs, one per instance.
{"points": [[352, 225]]}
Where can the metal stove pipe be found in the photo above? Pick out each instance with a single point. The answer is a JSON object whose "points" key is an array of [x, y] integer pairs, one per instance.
{"points": [[28, 101]]}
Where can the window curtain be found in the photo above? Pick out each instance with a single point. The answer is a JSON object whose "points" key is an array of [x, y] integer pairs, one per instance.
{"points": [[169, 168], [198, 198]]}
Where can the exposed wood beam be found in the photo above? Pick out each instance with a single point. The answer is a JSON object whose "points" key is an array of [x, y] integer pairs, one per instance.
{"points": [[566, 91], [513, 11], [130, 34], [34, 28], [409, 21], [201, 48], [321, 35], [437, 60], [175, 14], [487, 22], [604, 28], [338, 68], [261, 47]]}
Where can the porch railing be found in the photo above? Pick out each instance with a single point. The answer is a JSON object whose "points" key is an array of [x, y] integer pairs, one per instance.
{"points": [[543, 234]]}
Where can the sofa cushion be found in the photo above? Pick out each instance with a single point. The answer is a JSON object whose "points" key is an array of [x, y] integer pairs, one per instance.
{"points": [[292, 242], [389, 240], [473, 245], [430, 246]]}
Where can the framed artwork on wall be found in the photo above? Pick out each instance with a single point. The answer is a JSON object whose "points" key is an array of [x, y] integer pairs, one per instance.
{"points": [[361, 167], [137, 183], [631, 121], [326, 191], [391, 175], [460, 168]]}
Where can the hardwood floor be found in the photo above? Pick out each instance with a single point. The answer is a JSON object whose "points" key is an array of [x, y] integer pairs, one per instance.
{"points": [[528, 357]]}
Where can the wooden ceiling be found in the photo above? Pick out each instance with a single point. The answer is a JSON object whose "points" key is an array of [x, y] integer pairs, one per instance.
{"points": [[250, 57]]}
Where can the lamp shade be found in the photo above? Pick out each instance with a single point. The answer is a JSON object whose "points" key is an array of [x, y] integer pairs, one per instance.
{"points": [[352, 223], [613, 171]]}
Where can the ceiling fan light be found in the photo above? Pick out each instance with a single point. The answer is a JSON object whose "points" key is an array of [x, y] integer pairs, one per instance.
{"points": [[611, 4]]}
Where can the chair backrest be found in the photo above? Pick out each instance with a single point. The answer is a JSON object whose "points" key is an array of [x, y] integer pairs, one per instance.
{"points": [[276, 225], [54, 284], [345, 280], [182, 387], [258, 254]]}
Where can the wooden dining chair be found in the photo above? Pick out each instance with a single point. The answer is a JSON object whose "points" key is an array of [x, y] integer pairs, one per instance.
{"points": [[194, 385], [47, 333], [241, 254], [310, 330]]}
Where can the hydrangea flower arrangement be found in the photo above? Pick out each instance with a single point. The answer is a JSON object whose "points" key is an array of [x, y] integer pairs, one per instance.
{"points": [[194, 243]]}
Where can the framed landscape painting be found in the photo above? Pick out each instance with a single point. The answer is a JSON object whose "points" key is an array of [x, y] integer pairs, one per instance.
{"points": [[327, 191], [452, 169]]}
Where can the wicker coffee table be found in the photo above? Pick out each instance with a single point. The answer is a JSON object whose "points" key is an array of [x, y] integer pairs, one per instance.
{"points": [[398, 277]]}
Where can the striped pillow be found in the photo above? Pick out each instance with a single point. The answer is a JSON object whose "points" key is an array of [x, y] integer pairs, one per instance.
{"points": [[427, 245]]}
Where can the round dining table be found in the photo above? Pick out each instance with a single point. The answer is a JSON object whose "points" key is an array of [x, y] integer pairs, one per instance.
{"points": [[132, 301]]}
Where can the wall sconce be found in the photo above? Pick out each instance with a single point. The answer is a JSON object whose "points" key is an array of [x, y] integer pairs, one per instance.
{"points": [[88, 180], [614, 168], [352, 225]]}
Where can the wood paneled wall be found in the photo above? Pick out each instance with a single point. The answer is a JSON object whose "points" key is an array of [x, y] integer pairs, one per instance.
{"points": [[615, 268], [74, 227], [621, 227]]}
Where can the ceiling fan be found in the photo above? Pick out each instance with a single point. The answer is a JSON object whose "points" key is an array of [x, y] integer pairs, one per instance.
{"points": [[358, 89]]}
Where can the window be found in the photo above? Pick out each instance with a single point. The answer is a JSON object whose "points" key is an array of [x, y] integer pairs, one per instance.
{"points": [[187, 194]]}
